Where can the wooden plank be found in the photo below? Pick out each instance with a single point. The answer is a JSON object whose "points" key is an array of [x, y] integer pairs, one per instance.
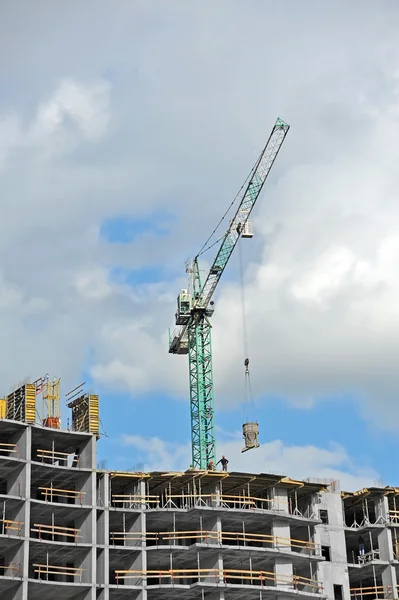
{"points": [[52, 489], [55, 526], [222, 574], [54, 452], [57, 570], [214, 535]]}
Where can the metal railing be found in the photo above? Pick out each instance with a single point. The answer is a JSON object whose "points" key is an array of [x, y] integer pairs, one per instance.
{"points": [[11, 570], [41, 569], [216, 537], [50, 493], [217, 576], [52, 456], [378, 592], [55, 531], [8, 527], [8, 450]]}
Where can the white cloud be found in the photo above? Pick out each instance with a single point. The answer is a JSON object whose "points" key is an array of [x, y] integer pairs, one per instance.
{"points": [[93, 284], [297, 462], [85, 106], [138, 117], [325, 277]]}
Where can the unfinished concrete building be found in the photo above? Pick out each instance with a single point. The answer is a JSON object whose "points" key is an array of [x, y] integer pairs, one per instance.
{"points": [[70, 531]]}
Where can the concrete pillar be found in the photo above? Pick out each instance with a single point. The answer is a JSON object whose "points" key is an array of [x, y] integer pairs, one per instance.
{"points": [[26, 480], [332, 535], [104, 495], [280, 500], [283, 567], [90, 462], [143, 525], [385, 545]]}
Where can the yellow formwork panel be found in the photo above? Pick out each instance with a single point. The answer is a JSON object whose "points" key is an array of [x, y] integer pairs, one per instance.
{"points": [[30, 403], [94, 414], [3, 408]]}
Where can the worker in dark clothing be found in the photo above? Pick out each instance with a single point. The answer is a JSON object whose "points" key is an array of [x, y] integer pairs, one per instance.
{"points": [[224, 463]]}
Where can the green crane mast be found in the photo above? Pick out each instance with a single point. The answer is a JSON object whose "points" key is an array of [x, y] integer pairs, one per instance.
{"points": [[195, 306]]}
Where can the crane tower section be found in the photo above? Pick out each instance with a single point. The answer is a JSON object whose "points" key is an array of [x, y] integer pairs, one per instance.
{"points": [[194, 306]]}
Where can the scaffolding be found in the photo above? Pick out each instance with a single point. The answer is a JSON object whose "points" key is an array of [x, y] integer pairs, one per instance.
{"points": [[52, 494], [54, 532], [85, 414], [54, 457], [54, 570], [21, 404], [51, 403]]}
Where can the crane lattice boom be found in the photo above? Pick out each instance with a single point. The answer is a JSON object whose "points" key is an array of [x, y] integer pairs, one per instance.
{"points": [[251, 194]]}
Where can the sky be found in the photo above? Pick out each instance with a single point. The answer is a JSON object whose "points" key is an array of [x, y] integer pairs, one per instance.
{"points": [[126, 130]]}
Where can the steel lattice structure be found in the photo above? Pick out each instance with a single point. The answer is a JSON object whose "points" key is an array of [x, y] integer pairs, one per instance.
{"points": [[193, 335]]}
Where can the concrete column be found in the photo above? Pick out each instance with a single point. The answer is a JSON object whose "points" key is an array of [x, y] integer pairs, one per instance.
{"points": [[26, 477], [280, 500], [105, 502], [90, 461], [143, 525], [283, 567], [385, 545], [332, 535]]}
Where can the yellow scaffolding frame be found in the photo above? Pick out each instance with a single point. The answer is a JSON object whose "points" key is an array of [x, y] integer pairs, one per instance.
{"points": [[55, 530], [41, 569], [50, 492], [378, 592]]}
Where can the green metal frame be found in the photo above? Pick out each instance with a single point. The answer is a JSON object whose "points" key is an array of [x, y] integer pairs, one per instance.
{"points": [[197, 330], [201, 390]]}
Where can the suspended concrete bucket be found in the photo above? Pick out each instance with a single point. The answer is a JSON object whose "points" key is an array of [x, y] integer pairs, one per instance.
{"points": [[250, 432]]}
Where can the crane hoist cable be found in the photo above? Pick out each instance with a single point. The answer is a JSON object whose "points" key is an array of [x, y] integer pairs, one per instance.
{"points": [[248, 399], [205, 247]]}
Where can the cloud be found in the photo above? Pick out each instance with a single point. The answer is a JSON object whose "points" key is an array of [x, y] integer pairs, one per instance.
{"points": [[73, 113], [154, 110], [297, 462], [324, 294]]}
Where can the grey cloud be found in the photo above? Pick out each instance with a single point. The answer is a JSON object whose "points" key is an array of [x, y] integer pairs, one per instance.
{"points": [[193, 92]]}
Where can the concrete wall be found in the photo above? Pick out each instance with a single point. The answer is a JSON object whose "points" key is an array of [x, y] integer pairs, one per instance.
{"points": [[332, 535]]}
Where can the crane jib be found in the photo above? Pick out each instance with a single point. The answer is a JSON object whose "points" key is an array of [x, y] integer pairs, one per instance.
{"points": [[230, 239], [249, 198]]}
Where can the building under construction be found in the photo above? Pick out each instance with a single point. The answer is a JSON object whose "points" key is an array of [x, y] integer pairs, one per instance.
{"points": [[71, 531]]}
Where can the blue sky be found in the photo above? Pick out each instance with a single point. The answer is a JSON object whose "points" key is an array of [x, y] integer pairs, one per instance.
{"points": [[336, 420], [118, 162]]}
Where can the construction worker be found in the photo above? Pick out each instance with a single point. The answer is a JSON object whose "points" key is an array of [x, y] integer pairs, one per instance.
{"points": [[224, 463], [211, 466], [361, 546]]}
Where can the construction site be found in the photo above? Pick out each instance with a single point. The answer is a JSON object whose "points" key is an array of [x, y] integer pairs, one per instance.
{"points": [[71, 531]]}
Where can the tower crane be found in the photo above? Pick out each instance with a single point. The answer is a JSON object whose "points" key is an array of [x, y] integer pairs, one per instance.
{"points": [[195, 306]]}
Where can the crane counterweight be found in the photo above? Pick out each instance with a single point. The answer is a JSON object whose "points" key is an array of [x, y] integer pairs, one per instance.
{"points": [[195, 306]]}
